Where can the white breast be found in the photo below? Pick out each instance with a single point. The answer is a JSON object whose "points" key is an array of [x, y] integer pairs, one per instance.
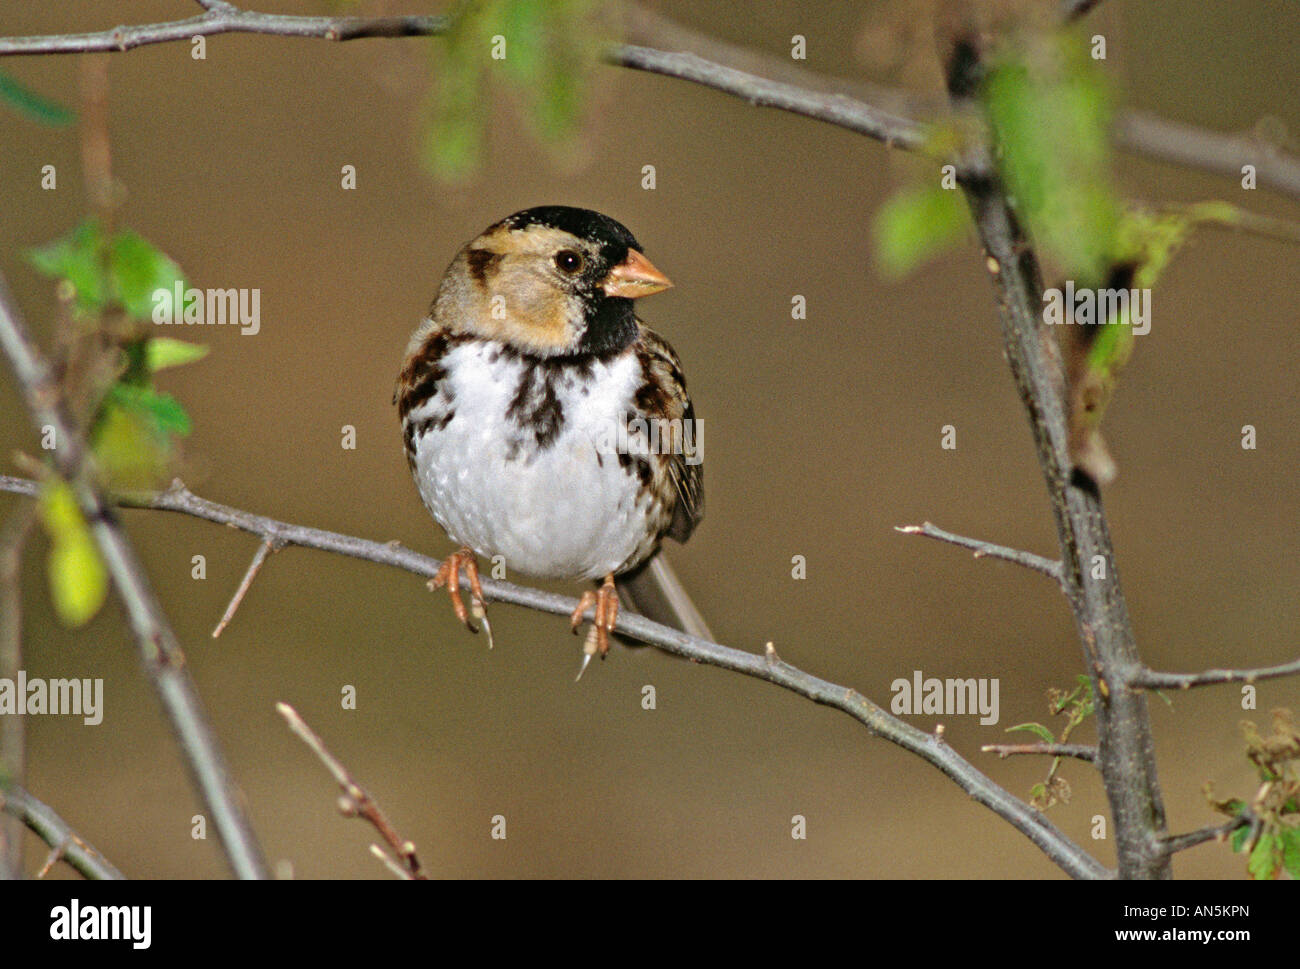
{"points": [[565, 510]]}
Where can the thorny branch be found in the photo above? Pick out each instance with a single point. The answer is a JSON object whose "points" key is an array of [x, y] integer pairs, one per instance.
{"points": [[160, 652], [1126, 749], [1140, 132], [768, 667], [1125, 755]]}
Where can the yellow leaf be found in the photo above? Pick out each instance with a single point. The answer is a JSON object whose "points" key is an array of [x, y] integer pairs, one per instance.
{"points": [[78, 581]]}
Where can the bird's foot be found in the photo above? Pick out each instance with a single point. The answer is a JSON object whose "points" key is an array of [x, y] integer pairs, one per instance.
{"points": [[448, 574], [605, 601]]}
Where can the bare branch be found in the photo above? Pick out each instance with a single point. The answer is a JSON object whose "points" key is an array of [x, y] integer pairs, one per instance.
{"points": [[56, 833], [1126, 750], [387, 861], [1223, 154], [803, 93], [1174, 843], [13, 734], [1048, 567], [1079, 751], [836, 109], [263, 550], [355, 801], [160, 652], [765, 666], [1185, 681], [225, 18]]}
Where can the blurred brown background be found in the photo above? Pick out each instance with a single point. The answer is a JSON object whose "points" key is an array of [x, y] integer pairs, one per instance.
{"points": [[821, 436]]}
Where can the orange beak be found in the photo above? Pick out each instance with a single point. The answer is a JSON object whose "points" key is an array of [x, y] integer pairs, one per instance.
{"points": [[634, 276]]}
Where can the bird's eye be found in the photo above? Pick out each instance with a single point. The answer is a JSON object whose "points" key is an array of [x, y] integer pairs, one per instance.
{"points": [[568, 261]]}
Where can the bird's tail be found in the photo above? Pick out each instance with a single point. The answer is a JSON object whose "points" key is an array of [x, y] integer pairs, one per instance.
{"points": [[654, 590]]}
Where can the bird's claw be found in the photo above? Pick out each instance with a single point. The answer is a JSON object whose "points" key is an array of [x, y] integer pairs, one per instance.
{"points": [[448, 574], [605, 603]]}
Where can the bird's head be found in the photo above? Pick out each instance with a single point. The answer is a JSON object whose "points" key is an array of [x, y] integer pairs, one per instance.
{"points": [[549, 281]]}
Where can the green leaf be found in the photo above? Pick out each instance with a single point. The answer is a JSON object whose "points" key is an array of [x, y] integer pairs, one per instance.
{"points": [[916, 225], [1050, 110], [28, 102], [164, 413], [78, 258], [1266, 860], [78, 581], [543, 51], [139, 269], [1037, 729], [524, 24], [1240, 837], [162, 352], [126, 270], [133, 436], [1291, 851], [453, 136]]}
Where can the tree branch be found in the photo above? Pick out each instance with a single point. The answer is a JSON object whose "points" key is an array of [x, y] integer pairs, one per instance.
{"points": [[13, 732], [836, 109], [1174, 843], [1126, 751], [1185, 681], [160, 652], [982, 549], [1078, 751], [1223, 154], [56, 833], [225, 18], [355, 802], [768, 667], [255, 566], [1135, 131]]}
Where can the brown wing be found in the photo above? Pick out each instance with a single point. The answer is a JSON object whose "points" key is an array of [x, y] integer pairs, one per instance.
{"points": [[663, 396]]}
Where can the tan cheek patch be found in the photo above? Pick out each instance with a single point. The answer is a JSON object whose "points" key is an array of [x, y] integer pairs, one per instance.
{"points": [[524, 308], [514, 301], [535, 318]]}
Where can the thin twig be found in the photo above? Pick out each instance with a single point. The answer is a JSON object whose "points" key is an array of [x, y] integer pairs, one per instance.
{"points": [[766, 666], [53, 858], [225, 18], [13, 739], [356, 801], [1152, 680], [1138, 132], [160, 651], [387, 860], [263, 550], [56, 833], [1144, 133], [1079, 751], [1174, 843], [836, 109], [1048, 567]]}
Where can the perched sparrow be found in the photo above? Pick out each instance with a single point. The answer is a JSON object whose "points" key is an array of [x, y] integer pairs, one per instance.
{"points": [[546, 424]]}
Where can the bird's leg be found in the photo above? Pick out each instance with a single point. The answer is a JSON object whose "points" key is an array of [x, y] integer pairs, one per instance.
{"points": [[605, 600], [448, 574]]}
